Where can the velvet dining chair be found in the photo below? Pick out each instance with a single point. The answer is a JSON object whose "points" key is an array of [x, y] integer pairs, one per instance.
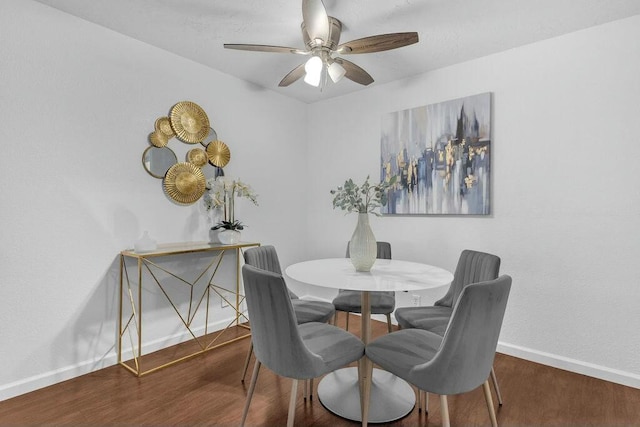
{"points": [[266, 258], [457, 362], [297, 351], [473, 266], [382, 302]]}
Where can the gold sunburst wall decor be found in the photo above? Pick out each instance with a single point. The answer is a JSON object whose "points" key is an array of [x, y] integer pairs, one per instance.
{"points": [[158, 139], [189, 122], [198, 157], [218, 153], [163, 124], [184, 183]]}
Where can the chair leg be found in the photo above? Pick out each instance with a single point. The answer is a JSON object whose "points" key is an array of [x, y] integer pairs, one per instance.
{"points": [[444, 409], [292, 402], [252, 387], [346, 328], [246, 362], [423, 401], [494, 379], [368, 369], [389, 322], [307, 389], [487, 397]]}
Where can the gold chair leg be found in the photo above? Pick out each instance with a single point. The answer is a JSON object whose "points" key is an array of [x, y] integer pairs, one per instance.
{"points": [[252, 387], [389, 322], [444, 410], [496, 387], [311, 389], [246, 362], [368, 369], [346, 328], [426, 402], [292, 402], [487, 397]]}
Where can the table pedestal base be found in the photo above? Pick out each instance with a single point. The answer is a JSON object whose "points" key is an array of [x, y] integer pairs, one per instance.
{"points": [[391, 397]]}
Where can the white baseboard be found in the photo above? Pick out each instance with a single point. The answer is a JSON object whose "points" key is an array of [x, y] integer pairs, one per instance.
{"points": [[572, 365], [36, 382], [46, 379]]}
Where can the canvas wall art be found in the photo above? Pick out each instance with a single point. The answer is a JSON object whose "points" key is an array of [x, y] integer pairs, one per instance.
{"points": [[441, 155]]}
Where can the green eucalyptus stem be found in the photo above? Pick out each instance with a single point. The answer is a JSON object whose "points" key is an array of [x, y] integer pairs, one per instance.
{"points": [[364, 198]]}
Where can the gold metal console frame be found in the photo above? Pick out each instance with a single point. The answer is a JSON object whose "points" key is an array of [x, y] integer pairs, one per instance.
{"points": [[132, 325]]}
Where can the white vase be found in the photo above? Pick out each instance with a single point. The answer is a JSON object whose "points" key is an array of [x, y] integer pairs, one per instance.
{"points": [[229, 237], [362, 246], [145, 243]]}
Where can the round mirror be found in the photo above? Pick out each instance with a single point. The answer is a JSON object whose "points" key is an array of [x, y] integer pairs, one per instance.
{"points": [[211, 136], [157, 161]]}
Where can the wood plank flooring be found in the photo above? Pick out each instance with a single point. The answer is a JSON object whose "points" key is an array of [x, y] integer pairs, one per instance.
{"points": [[206, 390]]}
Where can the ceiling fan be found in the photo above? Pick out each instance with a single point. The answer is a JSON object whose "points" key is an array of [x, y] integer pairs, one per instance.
{"points": [[321, 35]]}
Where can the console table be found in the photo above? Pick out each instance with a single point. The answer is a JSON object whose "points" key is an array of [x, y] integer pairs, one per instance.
{"points": [[195, 294]]}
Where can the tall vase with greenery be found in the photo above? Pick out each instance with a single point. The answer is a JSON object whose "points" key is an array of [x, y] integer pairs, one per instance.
{"points": [[220, 195], [363, 200]]}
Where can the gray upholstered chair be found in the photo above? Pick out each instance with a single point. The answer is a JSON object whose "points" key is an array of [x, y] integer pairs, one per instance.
{"points": [[457, 362], [266, 258], [382, 302], [300, 352], [473, 267]]}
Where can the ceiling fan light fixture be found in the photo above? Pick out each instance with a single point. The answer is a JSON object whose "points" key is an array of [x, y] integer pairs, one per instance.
{"points": [[336, 71], [313, 70], [321, 37]]}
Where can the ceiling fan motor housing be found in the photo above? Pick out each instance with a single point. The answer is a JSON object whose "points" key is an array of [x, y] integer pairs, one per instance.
{"points": [[335, 28]]}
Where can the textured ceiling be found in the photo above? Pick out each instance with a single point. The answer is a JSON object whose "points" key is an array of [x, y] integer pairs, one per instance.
{"points": [[450, 31]]}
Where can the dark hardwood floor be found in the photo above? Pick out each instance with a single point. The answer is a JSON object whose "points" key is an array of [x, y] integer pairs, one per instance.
{"points": [[206, 390]]}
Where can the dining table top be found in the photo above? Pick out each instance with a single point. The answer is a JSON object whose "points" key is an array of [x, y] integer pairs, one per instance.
{"points": [[385, 275]]}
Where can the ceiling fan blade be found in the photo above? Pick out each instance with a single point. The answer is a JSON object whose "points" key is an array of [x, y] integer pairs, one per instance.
{"points": [[378, 43], [354, 72], [266, 48], [315, 19], [293, 75]]}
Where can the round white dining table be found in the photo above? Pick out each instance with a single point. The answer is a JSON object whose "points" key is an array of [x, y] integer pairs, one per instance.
{"points": [[391, 397]]}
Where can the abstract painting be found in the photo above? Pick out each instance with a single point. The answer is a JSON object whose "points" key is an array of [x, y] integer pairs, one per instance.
{"points": [[441, 156]]}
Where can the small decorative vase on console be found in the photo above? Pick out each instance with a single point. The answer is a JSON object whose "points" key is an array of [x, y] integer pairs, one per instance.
{"points": [[362, 246]]}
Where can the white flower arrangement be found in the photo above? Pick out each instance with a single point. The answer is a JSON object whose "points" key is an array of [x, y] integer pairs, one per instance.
{"points": [[221, 193]]}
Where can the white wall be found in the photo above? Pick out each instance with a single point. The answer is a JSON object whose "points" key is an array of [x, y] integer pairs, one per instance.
{"points": [[566, 205], [77, 102]]}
